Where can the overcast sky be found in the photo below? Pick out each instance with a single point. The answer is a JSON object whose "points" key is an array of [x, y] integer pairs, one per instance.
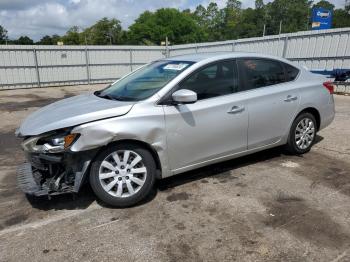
{"points": [[37, 18]]}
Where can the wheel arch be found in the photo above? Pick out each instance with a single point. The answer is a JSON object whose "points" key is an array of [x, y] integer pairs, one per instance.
{"points": [[143, 144], [314, 112]]}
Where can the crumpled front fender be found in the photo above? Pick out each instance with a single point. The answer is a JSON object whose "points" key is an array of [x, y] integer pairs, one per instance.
{"points": [[147, 127]]}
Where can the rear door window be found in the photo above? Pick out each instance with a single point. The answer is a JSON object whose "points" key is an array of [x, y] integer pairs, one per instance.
{"points": [[291, 72], [261, 72]]}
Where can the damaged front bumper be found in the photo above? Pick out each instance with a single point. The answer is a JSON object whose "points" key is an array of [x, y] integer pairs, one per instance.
{"points": [[53, 174]]}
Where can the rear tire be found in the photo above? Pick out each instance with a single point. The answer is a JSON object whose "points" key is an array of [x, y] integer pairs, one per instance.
{"points": [[123, 174], [302, 134]]}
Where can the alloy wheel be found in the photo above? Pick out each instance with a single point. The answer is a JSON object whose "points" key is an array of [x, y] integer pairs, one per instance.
{"points": [[304, 133], [122, 173]]}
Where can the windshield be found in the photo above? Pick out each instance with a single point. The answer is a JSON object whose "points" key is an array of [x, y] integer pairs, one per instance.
{"points": [[144, 82]]}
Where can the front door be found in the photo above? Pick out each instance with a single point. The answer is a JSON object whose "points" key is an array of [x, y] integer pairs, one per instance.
{"points": [[213, 127]]}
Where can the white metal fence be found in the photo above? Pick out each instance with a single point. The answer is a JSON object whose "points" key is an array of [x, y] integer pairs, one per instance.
{"points": [[39, 66]]}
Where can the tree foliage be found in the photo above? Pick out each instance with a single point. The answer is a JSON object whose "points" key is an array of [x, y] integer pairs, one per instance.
{"points": [[23, 40], [72, 37], [295, 16], [104, 32], [204, 23], [152, 28], [211, 21], [324, 4], [3, 35], [49, 40]]}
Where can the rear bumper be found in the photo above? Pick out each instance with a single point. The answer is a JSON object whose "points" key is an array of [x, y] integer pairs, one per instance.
{"points": [[52, 174]]}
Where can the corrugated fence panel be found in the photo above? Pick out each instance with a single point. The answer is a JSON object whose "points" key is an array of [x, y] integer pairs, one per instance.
{"points": [[17, 68], [145, 56], [182, 51], [108, 73], [108, 64], [32, 66], [213, 48], [61, 67]]}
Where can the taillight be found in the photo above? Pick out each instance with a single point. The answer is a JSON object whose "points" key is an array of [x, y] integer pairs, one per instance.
{"points": [[329, 86]]}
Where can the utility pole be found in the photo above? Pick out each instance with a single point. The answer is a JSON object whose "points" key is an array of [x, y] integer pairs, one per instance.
{"points": [[167, 46], [280, 27], [82, 32], [110, 34], [264, 30]]}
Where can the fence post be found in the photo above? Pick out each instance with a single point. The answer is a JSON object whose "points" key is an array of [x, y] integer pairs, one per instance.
{"points": [[87, 65], [233, 46], [168, 51], [285, 46], [36, 67], [130, 59]]}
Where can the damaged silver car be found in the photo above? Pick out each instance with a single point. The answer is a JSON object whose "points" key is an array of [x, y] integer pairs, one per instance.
{"points": [[168, 117]]}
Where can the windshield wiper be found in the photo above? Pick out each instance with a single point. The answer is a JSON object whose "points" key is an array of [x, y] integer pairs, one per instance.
{"points": [[98, 93], [124, 98], [115, 98]]}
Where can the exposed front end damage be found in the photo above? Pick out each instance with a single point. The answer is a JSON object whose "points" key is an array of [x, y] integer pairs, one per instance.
{"points": [[53, 174], [58, 161]]}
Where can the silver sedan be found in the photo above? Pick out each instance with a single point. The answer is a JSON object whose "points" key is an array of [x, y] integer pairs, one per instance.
{"points": [[168, 117]]}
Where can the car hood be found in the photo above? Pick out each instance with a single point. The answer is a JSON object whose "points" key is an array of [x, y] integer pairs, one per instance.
{"points": [[71, 112]]}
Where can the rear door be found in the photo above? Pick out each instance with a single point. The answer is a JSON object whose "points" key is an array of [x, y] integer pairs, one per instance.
{"points": [[272, 99]]}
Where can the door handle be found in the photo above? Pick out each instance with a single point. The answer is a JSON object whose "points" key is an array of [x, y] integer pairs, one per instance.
{"points": [[235, 110], [290, 98]]}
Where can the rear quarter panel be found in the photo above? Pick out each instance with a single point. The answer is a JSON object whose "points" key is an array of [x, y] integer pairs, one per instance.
{"points": [[313, 94]]}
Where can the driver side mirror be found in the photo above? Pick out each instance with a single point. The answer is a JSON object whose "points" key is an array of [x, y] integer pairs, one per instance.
{"points": [[184, 96]]}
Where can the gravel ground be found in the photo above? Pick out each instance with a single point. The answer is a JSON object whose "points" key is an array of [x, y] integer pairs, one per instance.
{"points": [[265, 207]]}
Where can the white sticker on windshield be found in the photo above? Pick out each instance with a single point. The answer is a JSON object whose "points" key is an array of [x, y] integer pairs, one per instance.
{"points": [[177, 67]]}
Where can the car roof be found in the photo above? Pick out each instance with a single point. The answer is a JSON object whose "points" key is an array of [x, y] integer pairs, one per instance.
{"points": [[197, 57]]}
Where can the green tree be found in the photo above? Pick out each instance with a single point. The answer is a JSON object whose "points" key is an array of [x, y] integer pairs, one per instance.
{"points": [[55, 39], [259, 4], [211, 20], [251, 24], [105, 31], [71, 37], [200, 16], [341, 18], [209, 23], [215, 22], [233, 11], [152, 28], [49, 40], [324, 4], [23, 40], [46, 40], [3, 35], [293, 14]]}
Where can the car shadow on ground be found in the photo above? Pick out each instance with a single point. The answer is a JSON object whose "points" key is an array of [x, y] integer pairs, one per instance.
{"points": [[86, 197], [68, 201], [221, 168]]}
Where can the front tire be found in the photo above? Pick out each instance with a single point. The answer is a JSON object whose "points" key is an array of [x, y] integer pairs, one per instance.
{"points": [[122, 175], [302, 134]]}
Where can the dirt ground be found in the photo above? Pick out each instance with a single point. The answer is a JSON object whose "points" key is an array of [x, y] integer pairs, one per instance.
{"points": [[265, 207]]}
